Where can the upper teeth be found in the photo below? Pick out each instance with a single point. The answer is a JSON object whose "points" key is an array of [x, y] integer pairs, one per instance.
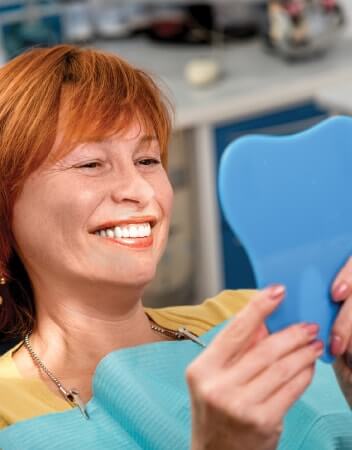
{"points": [[126, 231]]}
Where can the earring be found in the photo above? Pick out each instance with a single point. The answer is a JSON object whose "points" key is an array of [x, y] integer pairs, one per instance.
{"points": [[2, 282]]}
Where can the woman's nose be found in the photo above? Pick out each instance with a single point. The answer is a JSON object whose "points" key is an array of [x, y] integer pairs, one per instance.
{"points": [[131, 186]]}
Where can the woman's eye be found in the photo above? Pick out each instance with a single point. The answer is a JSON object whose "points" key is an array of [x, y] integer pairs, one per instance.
{"points": [[90, 165], [149, 161]]}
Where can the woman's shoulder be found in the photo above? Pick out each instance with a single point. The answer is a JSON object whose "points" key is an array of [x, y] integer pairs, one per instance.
{"points": [[23, 398], [7, 384], [202, 317], [6, 364]]}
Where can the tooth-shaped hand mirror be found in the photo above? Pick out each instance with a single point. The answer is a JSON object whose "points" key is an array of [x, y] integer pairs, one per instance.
{"points": [[288, 199]]}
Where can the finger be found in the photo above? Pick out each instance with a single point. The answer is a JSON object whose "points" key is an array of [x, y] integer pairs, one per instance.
{"points": [[241, 330], [342, 285], [341, 332], [278, 404], [261, 334], [282, 372], [257, 337], [272, 349]]}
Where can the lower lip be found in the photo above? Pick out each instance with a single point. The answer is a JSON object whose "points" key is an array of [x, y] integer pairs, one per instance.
{"points": [[143, 242]]}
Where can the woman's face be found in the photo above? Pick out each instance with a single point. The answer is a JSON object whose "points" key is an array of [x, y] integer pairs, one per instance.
{"points": [[117, 185]]}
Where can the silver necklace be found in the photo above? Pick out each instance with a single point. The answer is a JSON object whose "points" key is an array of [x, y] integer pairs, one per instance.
{"points": [[72, 395]]}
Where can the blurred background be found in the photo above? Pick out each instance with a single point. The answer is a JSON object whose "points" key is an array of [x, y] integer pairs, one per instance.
{"points": [[231, 68]]}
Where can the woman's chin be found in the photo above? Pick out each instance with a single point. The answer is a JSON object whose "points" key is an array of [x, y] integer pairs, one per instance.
{"points": [[138, 279], [145, 277]]}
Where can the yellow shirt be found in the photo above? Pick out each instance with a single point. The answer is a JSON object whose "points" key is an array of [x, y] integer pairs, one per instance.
{"points": [[23, 398]]}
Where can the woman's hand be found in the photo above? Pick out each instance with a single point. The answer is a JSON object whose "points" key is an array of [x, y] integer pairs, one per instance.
{"points": [[242, 385], [341, 337]]}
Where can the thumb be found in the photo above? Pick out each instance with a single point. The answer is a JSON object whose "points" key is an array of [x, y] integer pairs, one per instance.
{"points": [[247, 327]]}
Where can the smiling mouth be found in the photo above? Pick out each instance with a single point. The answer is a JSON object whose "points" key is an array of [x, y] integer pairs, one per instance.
{"points": [[135, 235], [134, 230]]}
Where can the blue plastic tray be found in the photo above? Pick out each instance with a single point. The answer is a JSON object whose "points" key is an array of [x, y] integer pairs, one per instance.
{"points": [[288, 199]]}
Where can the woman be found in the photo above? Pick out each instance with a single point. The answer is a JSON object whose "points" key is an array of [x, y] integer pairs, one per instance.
{"points": [[85, 210]]}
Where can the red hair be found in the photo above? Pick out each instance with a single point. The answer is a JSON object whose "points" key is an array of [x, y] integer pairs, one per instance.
{"points": [[101, 95]]}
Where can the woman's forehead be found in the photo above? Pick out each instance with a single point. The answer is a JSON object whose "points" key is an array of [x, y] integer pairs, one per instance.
{"points": [[135, 136]]}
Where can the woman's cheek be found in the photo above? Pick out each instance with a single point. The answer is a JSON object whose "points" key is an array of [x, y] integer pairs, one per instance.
{"points": [[167, 191]]}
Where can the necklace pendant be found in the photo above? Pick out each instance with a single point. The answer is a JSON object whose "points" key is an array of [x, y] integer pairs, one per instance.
{"points": [[184, 332], [73, 396]]}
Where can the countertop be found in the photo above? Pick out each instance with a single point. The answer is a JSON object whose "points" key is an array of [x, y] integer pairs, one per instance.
{"points": [[337, 97], [253, 80]]}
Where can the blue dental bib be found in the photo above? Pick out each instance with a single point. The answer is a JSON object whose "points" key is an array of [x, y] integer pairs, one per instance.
{"points": [[141, 401]]}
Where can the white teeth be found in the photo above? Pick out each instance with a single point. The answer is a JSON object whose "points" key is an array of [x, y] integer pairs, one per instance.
{"points": [[118, 232], [141, 231], [110, 233], [127, 231], [133, 232]]}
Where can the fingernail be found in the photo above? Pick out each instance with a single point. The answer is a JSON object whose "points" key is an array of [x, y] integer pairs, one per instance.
{"points": [[336, 345], [340, 290], [311, 328], [276, 291], [318, 346]]}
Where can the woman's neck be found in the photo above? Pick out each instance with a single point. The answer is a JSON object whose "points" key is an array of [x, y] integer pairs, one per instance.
{"points": [[71, 337]]}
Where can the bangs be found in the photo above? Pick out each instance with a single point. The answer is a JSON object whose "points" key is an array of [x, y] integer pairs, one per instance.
{"points": [[103, 96]]}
